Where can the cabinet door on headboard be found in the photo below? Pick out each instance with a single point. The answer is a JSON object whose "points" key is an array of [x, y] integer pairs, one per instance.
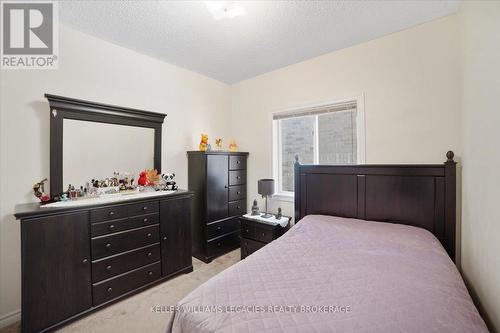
{"points": [[56, 269]]}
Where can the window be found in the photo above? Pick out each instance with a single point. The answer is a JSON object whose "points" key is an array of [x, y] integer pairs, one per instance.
{"points": [[323, 134]]}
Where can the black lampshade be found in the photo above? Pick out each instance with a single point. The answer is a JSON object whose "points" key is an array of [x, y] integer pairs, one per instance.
{"points": [[266, 187]]}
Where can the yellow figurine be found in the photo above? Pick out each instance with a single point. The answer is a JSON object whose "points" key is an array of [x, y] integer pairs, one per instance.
{"points": [[218, 143], [203, 142], [233, 146]]}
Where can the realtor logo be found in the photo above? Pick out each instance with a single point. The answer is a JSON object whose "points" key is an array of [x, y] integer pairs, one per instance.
{"points": [[29, 35]]}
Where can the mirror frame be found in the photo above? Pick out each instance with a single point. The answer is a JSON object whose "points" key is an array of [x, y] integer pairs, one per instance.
{"points": [[70, 108]]}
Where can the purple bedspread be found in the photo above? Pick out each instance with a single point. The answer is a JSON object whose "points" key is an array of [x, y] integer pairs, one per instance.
{"points": [[331, 274]]}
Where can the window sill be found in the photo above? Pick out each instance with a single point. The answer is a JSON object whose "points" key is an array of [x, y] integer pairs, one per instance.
{"points": [[286, 197]]}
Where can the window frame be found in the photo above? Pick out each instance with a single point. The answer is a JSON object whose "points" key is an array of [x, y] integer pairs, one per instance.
{"points": [[276, 135]]}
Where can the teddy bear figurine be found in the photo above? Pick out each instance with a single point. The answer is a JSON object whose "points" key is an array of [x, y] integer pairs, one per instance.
{"points": [[203, 142], [170, 184]]}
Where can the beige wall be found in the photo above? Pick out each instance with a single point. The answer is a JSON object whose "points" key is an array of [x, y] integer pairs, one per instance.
{"points": [[410, 82], [480, 44], [98, 71]]}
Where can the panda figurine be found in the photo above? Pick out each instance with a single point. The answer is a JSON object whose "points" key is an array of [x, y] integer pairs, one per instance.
{"points": [[170, 184]]}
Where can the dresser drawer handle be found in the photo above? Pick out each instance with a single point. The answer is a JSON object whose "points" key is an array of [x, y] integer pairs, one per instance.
{"points": [[239, 207], [111, 226], [84, 261], [111, 213], [219, 227], [238, 177], [110, 289], [149, 254], [108, 267], [247, 231], [218, 244], [108, 246], [246, 243], [164, 237], [145, 220], [238, 192], [145, 208], [263, 234], [149, 235], [238, 162], [150, 273]]}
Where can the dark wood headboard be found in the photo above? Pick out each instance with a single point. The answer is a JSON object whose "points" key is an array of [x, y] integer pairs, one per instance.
{"points": [[417, 195]]}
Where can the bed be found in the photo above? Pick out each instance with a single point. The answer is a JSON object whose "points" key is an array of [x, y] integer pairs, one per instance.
{"points": [[372, 251]]}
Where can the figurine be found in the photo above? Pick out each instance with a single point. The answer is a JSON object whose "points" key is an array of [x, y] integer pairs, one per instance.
{"points": [[39, 191], [203, 142], [278, 216], [233, 146], [218, 143], [170, 184], [255, 208], [148, 178], [209, 147]]}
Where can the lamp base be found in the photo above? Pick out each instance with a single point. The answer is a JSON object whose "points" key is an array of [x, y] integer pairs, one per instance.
{"points": [[267, 215]]}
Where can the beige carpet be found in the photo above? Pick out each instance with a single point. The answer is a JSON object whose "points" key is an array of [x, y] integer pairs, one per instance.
{"points": [[134, 313]]}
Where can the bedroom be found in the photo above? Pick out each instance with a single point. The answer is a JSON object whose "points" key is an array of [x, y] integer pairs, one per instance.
{"points": [[416, 78]]}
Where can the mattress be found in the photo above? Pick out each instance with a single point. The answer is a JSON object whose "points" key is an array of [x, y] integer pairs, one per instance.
{"points": [[331, 274]]}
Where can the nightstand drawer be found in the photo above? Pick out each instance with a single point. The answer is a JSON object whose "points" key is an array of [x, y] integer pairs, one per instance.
{"points": [[264, 235], [247, 230], [223, 244], [237, 208], [249, 246], [237, 177], [237, 162], [237, 192]]}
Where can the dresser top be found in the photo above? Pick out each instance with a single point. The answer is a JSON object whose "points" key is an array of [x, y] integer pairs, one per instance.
{"points": [[217, 152], [34, 210]]}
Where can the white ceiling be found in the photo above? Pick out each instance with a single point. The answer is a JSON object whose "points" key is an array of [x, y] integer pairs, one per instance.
{"points": [[272, 34]]}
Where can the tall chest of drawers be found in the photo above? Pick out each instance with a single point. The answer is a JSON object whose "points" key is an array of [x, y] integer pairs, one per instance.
{"points": [[219, 183], [79, 259]]}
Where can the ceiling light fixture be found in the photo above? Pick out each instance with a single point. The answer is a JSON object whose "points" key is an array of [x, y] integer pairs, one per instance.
{"points": [[225, 9]]}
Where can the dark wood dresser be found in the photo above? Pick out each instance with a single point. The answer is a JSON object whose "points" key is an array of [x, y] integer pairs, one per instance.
{"points": [[255, 235], [76, 260], [218, 180]]}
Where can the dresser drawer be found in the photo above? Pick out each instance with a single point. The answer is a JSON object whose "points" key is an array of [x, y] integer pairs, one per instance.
{"points": [[105, 246], [237, 208], [108, 213], [108, 227], [237, 177], [237, 162], [144, 208], [237, 192], [106, 268], [223, 244], [107, 290], [220, 228], [249, 246]]}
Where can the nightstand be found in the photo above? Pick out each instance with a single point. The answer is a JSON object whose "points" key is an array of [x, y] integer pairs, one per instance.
{"points": [[256, 233]]}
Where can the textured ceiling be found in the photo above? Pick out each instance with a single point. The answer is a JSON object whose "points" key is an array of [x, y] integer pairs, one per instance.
{"points": [[271, 35]]}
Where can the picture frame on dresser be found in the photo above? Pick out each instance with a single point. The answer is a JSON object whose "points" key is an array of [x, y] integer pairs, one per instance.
{"points": [[218, 180]]}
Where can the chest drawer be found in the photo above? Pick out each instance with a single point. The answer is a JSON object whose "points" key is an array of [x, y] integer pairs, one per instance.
{"points": [[105, 246], [249, 246], [237, 177], [106, 268], [237, 192], [237, 162], [223, 244], [220, 228], [107, 290], [236, 208], [108, 213], [108, 227], [148, 207]]}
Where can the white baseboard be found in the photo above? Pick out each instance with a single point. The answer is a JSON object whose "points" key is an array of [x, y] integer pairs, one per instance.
{"points": [[10, 318]]}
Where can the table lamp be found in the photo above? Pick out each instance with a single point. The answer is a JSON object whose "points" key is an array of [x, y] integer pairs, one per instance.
{"points": [[266, 189]]}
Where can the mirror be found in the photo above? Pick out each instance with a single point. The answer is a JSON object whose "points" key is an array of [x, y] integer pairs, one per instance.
{"points": [[91, 140], [93, 150]]}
